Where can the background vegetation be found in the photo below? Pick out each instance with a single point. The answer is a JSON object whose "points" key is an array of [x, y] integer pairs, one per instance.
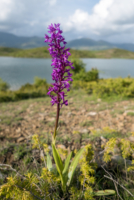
{"points": [[89, 81], [42, 52]]}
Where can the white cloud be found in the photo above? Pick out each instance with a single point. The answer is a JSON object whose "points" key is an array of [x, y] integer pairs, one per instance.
{"points": [[102, 8], [5, 9], [108, 17], [52, 2]]}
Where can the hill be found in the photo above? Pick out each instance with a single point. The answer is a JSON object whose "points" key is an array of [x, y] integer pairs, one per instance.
{"points": [[42, 52], [13, 41], [10, 40]]}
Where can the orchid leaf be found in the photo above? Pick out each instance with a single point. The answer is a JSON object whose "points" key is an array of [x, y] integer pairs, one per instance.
{"points": [[104, 192], [57, 158], [49, 162], [59, 166], [74, 165], [66, 167]]}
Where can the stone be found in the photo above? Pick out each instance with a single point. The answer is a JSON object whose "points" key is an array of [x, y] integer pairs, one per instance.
{"points": [[21, 139], [99, 100], [84, 131], [91, 128], [104, 140], [35, 126], [52, 119], [131, 138], [42, 155], [122, 117], [16, 136], [132, 128], [92, 114], [83, 111], [69, 114], [18, 130], [7, 130], [61, 146]]}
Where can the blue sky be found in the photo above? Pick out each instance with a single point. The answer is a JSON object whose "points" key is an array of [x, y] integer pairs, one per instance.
{"points": [[110, 20]]}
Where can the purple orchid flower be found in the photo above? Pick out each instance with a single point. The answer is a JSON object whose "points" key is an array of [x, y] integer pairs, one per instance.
{"points": [[60, 63]]}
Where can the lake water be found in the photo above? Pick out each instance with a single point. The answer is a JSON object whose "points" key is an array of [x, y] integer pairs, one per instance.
{"points": [[18, 71]]}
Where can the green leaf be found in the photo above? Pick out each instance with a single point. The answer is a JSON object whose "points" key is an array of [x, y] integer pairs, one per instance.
{"points": [[49, 162], [66, 167], [67, 163], [57, 158], [104, 192], [74, 165], [59, 166]]}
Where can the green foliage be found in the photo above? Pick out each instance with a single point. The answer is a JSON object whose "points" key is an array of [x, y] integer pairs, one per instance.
{"points": [[91, 75], [3, 85], [79, 72], [39, 82], [127, 148], [49, 162], [104, 192], [48, 184], [42, 52], [74, 165], [78, 65], [123, 87], [38, 89], [30, 187], [20, 151]]}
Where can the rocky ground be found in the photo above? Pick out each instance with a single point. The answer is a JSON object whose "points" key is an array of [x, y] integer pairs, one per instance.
{"points": [[84, 120], [20, 120]]}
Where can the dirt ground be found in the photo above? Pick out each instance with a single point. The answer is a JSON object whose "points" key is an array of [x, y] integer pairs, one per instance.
{"points": [[84, 114]]}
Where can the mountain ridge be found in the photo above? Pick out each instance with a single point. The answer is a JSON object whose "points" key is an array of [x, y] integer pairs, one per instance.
{"points": [[22, 42]]}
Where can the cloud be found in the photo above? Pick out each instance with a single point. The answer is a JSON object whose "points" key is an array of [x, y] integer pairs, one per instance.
{"points": [[52, 2], [108, 17], [25, 17], [5, 9]]}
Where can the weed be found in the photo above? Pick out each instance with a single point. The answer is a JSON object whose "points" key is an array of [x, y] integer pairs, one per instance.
{"points": [[18, 118], [86, 123], [130, 113], [51, 124], [20, 151]]}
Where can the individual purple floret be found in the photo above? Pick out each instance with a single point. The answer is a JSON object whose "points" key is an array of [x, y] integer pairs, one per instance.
{"points": [[60, 63]]}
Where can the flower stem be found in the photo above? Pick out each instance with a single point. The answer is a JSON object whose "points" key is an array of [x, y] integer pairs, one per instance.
{"points": [[57, 117]]}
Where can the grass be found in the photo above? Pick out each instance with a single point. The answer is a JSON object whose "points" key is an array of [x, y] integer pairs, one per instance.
{"points": [[130, 113], [107, 134], [27, 163], [79, 97], [86, 123], [6, 120], [42, 52]]}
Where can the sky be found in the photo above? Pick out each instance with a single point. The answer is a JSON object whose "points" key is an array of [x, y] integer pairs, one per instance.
{"points": [[109, 20]]}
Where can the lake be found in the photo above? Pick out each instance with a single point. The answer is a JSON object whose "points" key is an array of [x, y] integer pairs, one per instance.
{"points": [[18, 71]]}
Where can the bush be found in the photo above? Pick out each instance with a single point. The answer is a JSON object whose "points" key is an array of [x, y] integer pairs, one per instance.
{"points": [[107, 87], [86, 76], [38, 89], [39, 82], [78, 66], [79, 72], [3, 85]]}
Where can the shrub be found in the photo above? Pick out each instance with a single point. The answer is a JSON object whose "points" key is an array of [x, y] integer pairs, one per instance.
{"points": [[39, 82], [3, 85], [78, 66]]}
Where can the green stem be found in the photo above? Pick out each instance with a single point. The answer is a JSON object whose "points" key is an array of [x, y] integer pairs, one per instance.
{"points": [[57, 118]]}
